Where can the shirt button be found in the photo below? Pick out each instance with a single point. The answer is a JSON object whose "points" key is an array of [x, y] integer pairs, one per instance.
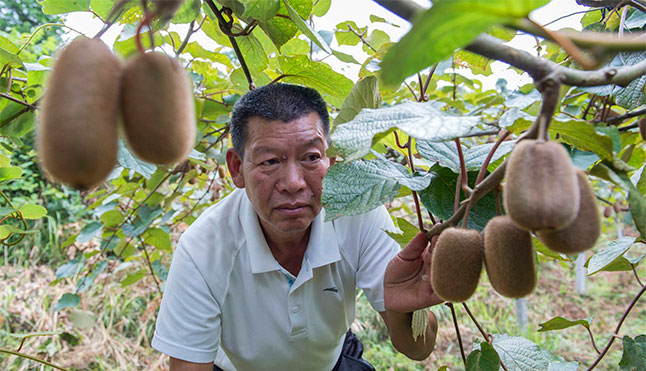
{"points": [[295, 309]]}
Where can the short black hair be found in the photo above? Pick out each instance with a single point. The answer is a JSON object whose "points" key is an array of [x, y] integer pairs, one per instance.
{"points": [[284, 102]]}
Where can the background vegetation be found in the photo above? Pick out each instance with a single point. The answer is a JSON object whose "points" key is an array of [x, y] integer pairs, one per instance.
{"points": [[83, 272]]}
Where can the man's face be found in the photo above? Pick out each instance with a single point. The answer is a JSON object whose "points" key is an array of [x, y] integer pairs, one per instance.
{"points": [[282, 172]]}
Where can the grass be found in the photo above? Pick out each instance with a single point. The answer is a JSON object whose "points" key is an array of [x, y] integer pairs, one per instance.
{"points": [[118, 338]]}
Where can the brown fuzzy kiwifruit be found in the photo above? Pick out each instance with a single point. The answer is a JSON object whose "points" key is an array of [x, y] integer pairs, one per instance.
{"points": [[509, 258], [541, 191], [583, 233], [607, 211], [642, 127], [77, 130], [456, 264], [158, 109]]}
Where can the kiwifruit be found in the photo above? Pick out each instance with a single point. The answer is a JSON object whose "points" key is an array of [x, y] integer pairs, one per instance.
{"points": [[607, 211], [617, 207], [586, 228], [456, 264], [509, 258], [158, 109], [77, 130], [541, 191], [642, 127]]}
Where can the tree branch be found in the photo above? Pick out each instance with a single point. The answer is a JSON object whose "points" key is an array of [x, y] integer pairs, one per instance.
{"points": [[226, 28]]}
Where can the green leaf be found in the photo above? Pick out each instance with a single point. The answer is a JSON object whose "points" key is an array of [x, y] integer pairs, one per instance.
{"points": [[502, 33], [112, 218], [541, 248], [346, 37], [364, 94], [89, 231], [522, 353], [321, 7], [4, 161], [560, 323], [10, 59], [129, 161], [316, 75], [609, 254], [158, 238], [187, 12], [4, 232], [636, 20], [10, 172], [634, 356], [104, 7], [261, 10], [408, 232], [33, 212], [305, 28], [360, 186], [420, 120], [376, 39], [67, 301], [632, 96], [133, 278], [253, 53], [445, 27], [483, 359], [439, 196], [582, 135], [444, 153], [65, 6], [347, 58], [83, 319], [281, 30], [8, 45], [71, 268]]}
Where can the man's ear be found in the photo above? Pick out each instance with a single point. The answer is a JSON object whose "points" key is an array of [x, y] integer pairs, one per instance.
{"points": [[234, 163], [332, 160]]}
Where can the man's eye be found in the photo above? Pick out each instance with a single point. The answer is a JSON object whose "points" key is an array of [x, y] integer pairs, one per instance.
{"points": [[312, 157], [269, 162]]}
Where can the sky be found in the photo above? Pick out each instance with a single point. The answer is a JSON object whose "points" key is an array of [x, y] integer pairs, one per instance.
{"points": [[360, 11]]}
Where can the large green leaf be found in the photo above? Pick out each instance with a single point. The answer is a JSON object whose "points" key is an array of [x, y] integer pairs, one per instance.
{"points": [[321, 7], [634, 356], [129, 161], [104, 7], [408, 232], [520, 354], [65, 6], [445, 27], [318, 75], [560, 323], [344, 36], [30, 211], [187, 12], [439, 197], [420, 120], [279, 29], [305, 28], [483, 359], [562, 366], [360, 186], [446, 153], [582, 135], [253, 53], [364, 94], [632, 96], [10, 59], [10, 172], [615, 250], [158, 238], [261, 10]]}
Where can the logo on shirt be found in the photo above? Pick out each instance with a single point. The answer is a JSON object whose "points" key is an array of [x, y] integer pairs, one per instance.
{"points": [[333, 289]]}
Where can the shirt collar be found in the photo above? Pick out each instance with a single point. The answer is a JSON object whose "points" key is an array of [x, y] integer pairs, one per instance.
{"points": [[322, 248]]}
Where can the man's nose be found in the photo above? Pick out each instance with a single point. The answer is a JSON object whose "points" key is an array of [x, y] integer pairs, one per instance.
{"points": [[292, 179]]}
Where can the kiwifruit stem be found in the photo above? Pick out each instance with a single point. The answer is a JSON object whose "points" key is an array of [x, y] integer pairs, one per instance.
{"points": [[457, 332]]}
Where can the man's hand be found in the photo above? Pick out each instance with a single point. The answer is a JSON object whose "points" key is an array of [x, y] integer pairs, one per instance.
{"points": [[407, 280]]}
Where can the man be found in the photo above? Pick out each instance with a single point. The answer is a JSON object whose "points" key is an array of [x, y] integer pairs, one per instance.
{"points": [[261, 275]]}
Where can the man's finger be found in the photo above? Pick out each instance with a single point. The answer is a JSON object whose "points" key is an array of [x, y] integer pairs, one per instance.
{"points": [[415, 247]]}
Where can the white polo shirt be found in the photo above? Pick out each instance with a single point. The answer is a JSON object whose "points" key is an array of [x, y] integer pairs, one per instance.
{"points": [[226, 289]]}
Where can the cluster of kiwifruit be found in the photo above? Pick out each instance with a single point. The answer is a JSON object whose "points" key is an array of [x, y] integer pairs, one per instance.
{"points": [[545, 194], [89, 89]]}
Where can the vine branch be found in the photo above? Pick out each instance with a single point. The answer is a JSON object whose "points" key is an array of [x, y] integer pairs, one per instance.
{"points": [[457, 332], [23, 355], [226, 27], [616, 333]]}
